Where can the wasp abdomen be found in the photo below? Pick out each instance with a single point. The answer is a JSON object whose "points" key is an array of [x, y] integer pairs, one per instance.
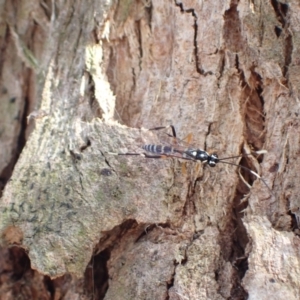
{"points": [[158, 149]]}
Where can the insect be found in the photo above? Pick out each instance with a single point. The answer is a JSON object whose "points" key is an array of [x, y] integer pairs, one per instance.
{"points": [[174, 149]]}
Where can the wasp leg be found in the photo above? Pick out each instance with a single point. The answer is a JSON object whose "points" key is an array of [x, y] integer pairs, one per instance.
{"points": [[166, 127]]}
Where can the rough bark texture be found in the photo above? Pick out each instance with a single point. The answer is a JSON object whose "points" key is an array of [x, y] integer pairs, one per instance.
{"points": [[78, 222]]}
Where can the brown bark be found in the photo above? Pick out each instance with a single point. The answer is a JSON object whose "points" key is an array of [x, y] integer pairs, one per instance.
{"points": [[100, 226]]}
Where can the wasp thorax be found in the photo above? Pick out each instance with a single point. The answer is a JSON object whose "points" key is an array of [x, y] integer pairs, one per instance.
{"points": [[201, 155]]}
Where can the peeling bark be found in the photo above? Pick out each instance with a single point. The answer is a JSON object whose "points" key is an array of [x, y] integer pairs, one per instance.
{"points": [[79, 222]]}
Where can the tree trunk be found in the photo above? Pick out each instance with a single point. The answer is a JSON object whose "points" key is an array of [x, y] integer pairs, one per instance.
{"points": [[81, 80]]}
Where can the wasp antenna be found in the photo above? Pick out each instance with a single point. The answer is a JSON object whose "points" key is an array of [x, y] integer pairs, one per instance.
{"points": [[229, 157], [252, 172], [243, 155]]}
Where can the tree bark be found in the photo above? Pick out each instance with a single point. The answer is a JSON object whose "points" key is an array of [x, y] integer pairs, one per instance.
{"points": [[81, 80]]}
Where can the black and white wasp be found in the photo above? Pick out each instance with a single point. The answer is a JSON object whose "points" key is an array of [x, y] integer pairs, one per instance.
{"points": [[176, 150]]}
